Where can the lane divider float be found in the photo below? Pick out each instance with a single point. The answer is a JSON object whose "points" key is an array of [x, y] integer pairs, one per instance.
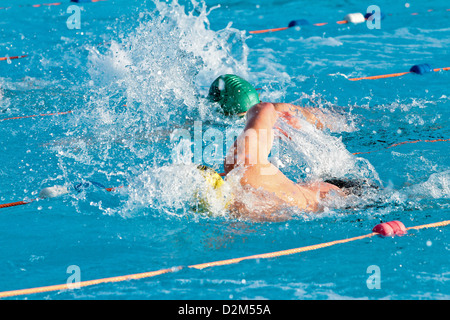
{"points": [[417, 69], [420, 69], [402, 143], [13, 58], [38, 115], [387, 229], [57, 191], [354, 18]]}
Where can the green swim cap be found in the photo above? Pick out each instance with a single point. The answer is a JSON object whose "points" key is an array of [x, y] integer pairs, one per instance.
{"points": [[234, 94]]}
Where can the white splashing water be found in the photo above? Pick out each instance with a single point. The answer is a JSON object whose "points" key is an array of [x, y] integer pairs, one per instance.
{"points": [[437, 187], [4, 102], [168, 59], [154, 79], [157, 78], [318, 155]]}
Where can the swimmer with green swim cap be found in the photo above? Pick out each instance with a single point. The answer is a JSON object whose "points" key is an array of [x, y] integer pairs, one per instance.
{"points": [[234, 94], [248, 157]]}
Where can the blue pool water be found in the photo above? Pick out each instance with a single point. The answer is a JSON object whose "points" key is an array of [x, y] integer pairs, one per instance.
{"points": [[137, 70]]}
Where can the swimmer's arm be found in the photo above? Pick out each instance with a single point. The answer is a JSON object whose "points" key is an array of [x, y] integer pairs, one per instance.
{"points": [[253, 145], [322, 189], [289, 112], [269, 214]]}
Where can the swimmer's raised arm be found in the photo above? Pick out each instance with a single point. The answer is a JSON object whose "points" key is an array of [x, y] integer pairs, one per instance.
{"points": [[253, 145], [251, 150], [289, 112]]}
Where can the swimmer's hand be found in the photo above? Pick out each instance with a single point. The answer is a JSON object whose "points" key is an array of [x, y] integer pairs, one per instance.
{"points": [[289, 112], [323, 189]]}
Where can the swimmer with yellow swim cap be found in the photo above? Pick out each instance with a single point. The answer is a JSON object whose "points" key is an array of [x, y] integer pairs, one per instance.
{"points": [[214, 195], [236, 96]]}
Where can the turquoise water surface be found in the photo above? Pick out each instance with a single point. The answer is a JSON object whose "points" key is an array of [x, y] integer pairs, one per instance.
{"points": [[132, 72]]}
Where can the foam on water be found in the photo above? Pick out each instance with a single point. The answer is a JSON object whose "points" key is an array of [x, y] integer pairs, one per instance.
{"points": [[168, 59], [142, 88], [318, 155], [130, 94], [146, 84], [437, 187], [3, 101]]}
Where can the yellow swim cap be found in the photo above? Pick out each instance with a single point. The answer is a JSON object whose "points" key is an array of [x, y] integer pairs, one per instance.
{"points": [[213, 196], [211, 176]]}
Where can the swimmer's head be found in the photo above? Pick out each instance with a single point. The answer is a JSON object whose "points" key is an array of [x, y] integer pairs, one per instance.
{"points": [[234, 94], [211, 176], [213, 195]]}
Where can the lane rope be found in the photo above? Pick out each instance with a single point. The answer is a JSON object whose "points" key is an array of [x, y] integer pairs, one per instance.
{"points": [[55, 194], [13, 57], [354, 18], [295, 23], [136, 276], [402, 143], [49, 4], [418, 69], [14, 204], [38, 115], [222, 174]]}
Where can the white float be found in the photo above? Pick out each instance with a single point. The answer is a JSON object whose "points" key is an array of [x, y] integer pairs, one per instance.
{"points": [[355, 18], [53, 192]]}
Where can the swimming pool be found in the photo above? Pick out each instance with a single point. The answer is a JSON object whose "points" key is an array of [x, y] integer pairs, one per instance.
{"points": [[136, 71]]}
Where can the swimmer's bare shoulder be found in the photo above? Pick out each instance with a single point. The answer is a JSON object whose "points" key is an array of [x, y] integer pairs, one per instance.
{"points": [[276, 192]]}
